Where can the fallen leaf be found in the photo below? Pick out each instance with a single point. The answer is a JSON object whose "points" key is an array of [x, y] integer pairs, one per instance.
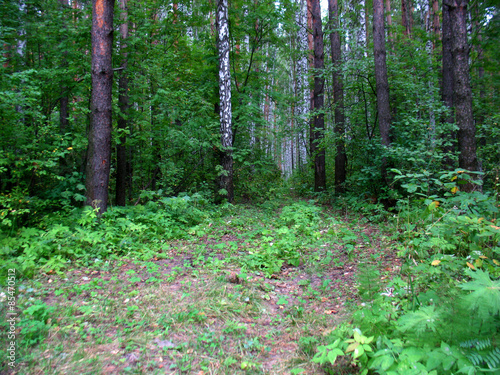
{"points": [[471, 266], [435, 262]]}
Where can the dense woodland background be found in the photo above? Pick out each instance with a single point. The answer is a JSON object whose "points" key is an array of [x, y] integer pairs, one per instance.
{"points": [[251, 144], [166, 133]]}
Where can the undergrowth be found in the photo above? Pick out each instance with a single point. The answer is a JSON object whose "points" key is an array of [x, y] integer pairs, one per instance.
{"points": [[441, 315]]}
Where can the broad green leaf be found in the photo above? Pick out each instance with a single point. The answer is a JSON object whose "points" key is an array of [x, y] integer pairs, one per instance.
{"points": [[358, 352], [382, 362]]}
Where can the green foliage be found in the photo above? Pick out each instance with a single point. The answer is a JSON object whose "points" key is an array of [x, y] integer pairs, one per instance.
{"points": [[82, 236], [442, 315], [369, 281], [34, 323], [301, 216], [484, 299], [286, 242], [482, 353]]}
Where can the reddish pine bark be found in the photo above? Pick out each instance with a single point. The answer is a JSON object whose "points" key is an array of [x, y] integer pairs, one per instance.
{"points": [[99, 149]]}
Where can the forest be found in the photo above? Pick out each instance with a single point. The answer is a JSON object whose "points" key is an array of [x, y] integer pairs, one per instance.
{"points": [[250, 187]]}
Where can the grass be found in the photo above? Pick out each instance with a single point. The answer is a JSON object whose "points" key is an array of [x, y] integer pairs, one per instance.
{"points": [[203, 305]]}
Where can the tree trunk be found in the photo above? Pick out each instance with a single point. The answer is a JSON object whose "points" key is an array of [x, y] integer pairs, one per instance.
{"points": [[99, 149], [64, 100], [226, 177], [447, 85], [435, 19], [389, 19], [302, 88], [405, 19], [462, 93], [338, 97], [123, 105], [318, 121], [382, 84]]}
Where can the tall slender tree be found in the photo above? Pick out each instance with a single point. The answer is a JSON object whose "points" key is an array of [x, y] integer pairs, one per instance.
{"points": [[338, 96], [99, 148], [447, 83], [123, 104], [64, 99], [225, 111], [318, 120], [406, 17], [462, 92], [382, 83]]}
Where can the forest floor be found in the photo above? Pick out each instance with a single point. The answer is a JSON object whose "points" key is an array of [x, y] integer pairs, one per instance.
{"points": [[200, 307]]}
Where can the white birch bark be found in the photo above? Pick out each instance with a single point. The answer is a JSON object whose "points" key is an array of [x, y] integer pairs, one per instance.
{"points": [[302, 90], [226, 178]]}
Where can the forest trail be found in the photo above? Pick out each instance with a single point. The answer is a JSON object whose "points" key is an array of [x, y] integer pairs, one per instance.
{"points": [[203, 305]]}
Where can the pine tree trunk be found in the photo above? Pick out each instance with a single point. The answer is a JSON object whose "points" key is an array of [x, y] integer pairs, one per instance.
{"points": [[64, 100], [226, 178], [318, 122], [406, 19], [99, 149], [462, 93], [382, 84], [338, 97], [447, 84], [389, 19], [123, 105]]}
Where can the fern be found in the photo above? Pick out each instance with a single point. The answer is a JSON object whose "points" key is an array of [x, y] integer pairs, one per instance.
{"points": [[482, 353], [369, 281], [478, 344], [423, 320], [484, 298]]}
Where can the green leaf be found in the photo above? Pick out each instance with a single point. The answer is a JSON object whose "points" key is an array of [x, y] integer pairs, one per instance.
{"points": [[333, 354], [434, 359], [358, 352], [420, 321], [485, 296], [382, 362], [448, 363]]}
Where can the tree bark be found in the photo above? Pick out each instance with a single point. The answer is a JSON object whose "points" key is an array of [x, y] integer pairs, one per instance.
{"points": [[389, 19], [462, 93], [447, 85], [338, 97], [64, 100], [302, 91], [123, 105], [435, 19], [226, 177], [405, 17], [318, 121], [382, 83], [99, 149]]}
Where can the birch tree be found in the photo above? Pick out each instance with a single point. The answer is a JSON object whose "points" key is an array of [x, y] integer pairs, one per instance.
{"points": [[225, 112]]}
